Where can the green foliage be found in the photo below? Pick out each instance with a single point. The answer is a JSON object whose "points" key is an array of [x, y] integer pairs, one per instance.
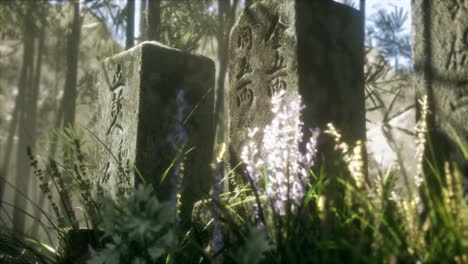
{"points": [[387, 29], [255, 246], [70, 176], [15, 248], [369, 222], [352, 222], [139, 228], [366, 223], [179, 27]]}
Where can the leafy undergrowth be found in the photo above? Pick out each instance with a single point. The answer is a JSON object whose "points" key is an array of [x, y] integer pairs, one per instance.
{"points": [[281, 209]]}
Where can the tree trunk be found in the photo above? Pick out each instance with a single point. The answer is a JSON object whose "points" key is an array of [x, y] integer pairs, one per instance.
{"points": [[143, 21], [69, 100], [22, 163], [154, 20], [14, 121], [58, 107], [130, 39], [34, 100], [19, 102], [73, 42], [362, 8]]}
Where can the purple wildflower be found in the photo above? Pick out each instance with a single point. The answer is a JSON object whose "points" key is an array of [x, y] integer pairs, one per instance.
{"points": [[287, 169]]}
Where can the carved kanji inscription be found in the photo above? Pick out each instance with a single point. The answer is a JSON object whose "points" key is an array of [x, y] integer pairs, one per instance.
{"points": [[274, 36], [117, 89], [278, 62], [455, 7], [457, 58], [296, 47], [276, 85], [244, 39], [245, 97], [244, 68]]}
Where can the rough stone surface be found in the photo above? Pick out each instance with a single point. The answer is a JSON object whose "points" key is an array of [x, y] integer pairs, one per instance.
{"points": [[441, 64], [137, 115], [311, 48]]}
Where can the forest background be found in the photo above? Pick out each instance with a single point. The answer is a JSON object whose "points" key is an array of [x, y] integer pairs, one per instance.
{"points": [[50, 52]]}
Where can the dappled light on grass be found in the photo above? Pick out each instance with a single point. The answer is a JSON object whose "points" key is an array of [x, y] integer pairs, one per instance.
{"points": [[372, 221]]}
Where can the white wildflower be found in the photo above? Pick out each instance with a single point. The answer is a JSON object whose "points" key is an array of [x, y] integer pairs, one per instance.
{"points": [[421, 131], [285, 166], [353, 159]]}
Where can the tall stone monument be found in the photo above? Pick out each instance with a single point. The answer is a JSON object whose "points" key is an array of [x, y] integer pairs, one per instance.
{"points": [[310, 48], [440, 51], [137, 120]]}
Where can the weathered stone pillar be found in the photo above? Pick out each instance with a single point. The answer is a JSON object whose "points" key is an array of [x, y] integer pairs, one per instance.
{"points": [[149, 96], [310, 48], [440, 51]]}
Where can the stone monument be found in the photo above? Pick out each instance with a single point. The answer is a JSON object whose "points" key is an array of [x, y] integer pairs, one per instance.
{"points": [[440, 50], [309, 48], [137, 116]]}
